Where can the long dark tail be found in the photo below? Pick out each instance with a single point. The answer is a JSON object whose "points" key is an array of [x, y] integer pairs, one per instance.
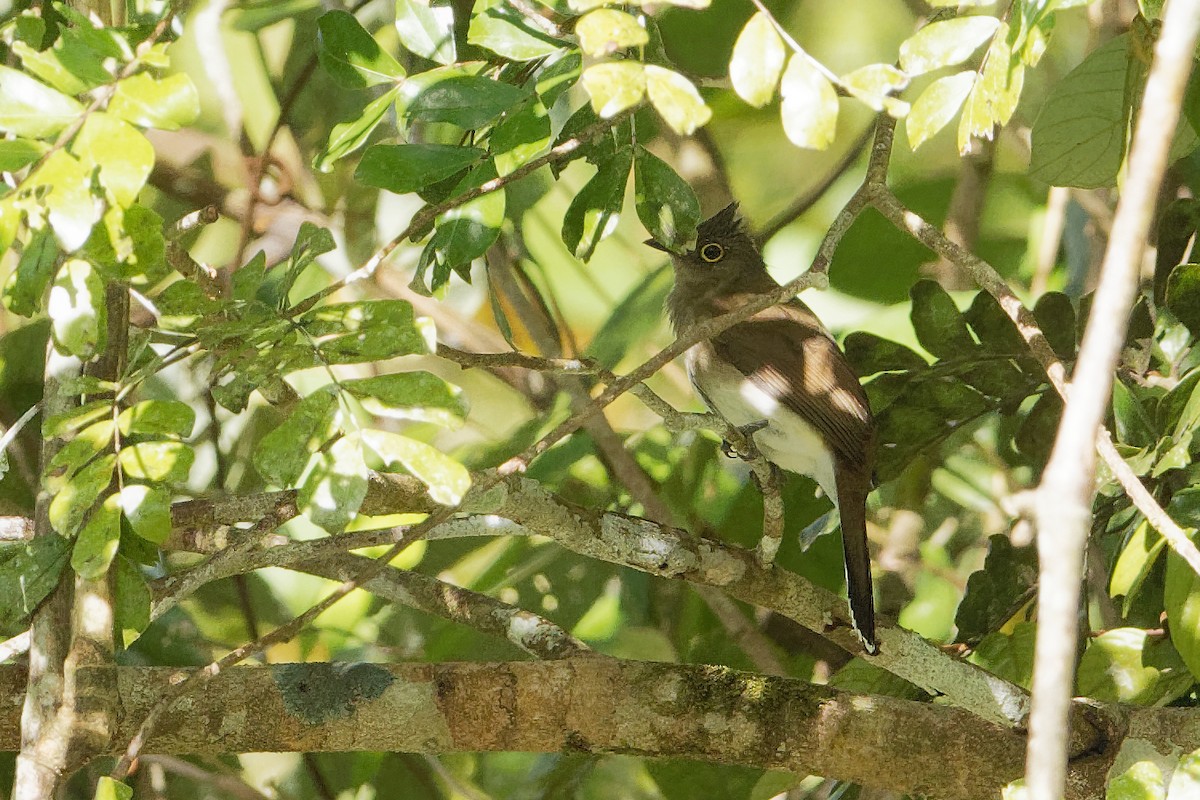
{"points": [[852, 488]]}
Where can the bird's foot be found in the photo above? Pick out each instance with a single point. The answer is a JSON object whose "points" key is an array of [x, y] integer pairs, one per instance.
{"points": [[745, 449]]}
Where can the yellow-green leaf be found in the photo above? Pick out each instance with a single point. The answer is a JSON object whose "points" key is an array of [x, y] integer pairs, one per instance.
{"points": [[446, 479], [993, 98], [757, 61], [33, 109], [945, 43], [810, 105], [614, 86], [874, 83], [73, 209], [936, 106], [124, 156], [77, 309], [168, 103], [607, 30], [97, 542], [157, 461], [676, 99], [148, 511]]}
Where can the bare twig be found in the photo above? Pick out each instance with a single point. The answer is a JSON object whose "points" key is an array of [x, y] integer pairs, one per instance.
{"points": [[1066, 492]]}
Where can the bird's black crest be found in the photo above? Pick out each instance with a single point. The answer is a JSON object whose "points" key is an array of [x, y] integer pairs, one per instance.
{"points": [[724, 225]]}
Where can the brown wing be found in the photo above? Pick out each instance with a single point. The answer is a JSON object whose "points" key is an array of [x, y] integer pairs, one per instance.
{"points": [[785, 351]]}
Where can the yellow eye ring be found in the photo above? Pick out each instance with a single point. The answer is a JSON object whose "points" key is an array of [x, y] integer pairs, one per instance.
{"points": [[712, 252]]}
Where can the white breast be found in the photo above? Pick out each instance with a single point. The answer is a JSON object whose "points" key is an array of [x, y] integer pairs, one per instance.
{"points": [[788, 441]]}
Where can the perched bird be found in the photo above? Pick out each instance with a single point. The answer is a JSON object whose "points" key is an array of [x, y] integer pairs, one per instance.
{"points": [[780, 377]]}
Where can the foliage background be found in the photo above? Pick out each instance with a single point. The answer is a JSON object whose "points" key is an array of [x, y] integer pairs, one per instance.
{"points": [[264, 78]]}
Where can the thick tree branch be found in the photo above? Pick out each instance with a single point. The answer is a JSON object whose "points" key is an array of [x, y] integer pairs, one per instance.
{"points": [[589, 705]]}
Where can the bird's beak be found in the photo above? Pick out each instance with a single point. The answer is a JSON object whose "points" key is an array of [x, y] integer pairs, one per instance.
{"points": [[657, 245]]}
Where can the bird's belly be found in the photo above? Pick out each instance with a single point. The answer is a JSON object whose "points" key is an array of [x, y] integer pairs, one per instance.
{"points": [[787, 441]]}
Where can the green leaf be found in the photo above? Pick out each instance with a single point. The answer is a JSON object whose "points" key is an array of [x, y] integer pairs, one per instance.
{"points": [[591, 215], [346, 137], [994, 96], [921, 417], [1181, 598], [69, 422], [420, 396], [77, 309], [254, 17], [26, 286], [997, 591], [936, 106], [157, 417], [72, 66], [367, 330], [403, 168], [1132, 423], [757, 61], [73, 209], [427, 30], [16, 154], [871, 354], [351, 56], [614, 86], [1035, 438], [607, 30], [109, 789], [1056, 317], [945, 43], [123, 155], [1138, 556], [666, 204], [446, 479], [468, 101], [1009, 656], [28, 572], [1113, 669], [810, 105], [558, 74], [521, 136], [131, 602], [874, 83], [282, 454], [939, 325], [1183, 295], [161, 462], [676, 100], [334, 485], [168, 103], [498, 26], [29, 108], [1143, 780], [147, 509], [97, 543], [1176, 227]]}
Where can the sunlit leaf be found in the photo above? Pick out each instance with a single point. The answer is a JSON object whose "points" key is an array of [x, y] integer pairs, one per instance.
{"points": [[26, 286], [16, 154], [147, 509], [936, 106], [346, 137], [757, 61], [97, 541], [993, 97], [167, 103], [1181, 599], [446, 479], [676, 99], [79, 492], [521, 136], [33, 109], [123, 155], [334, 484], [427, 30], [162, 461], [78, 309], [810, 105], [945, 43], [410, 395], [592, 213], [614, 86], [874, 83], [73, 208], [500, 27], [607, 30]]}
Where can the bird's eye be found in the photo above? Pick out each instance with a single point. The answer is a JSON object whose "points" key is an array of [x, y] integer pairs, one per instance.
{"points": [[712, 252]]}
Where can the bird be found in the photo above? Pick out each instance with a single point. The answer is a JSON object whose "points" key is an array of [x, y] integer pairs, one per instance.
{"points": [[781, 379]]}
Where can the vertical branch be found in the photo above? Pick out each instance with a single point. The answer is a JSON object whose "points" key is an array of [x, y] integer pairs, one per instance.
{"points": [[1065, 495]]}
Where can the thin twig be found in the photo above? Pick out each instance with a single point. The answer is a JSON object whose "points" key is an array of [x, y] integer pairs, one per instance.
{"points": [[1067, 489]]}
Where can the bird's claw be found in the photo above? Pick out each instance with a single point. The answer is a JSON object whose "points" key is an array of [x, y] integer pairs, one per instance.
{"points": [[745, 450]]}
